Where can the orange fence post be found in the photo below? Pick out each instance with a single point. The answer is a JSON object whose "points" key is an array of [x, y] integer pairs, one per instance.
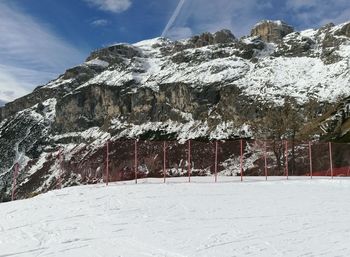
{"points": [[310, 159], [241, 141], [216, 161], [330, 158], [60, 159], [135, 162], [164, 160], [265, 158], [286, 153], [14, 183], [189, 161], [107, 162]]}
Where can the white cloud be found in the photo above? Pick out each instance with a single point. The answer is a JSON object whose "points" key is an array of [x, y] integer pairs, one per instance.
{"points": [[10, 88], [16, 82], [179, 33], [315, 13], [100, 23], [116, 6], [200, 16], [36, 52], [173, 17], [207, 15]]}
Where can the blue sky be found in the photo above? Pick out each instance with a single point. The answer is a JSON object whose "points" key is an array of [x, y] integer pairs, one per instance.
{"points": [[40, 39]]}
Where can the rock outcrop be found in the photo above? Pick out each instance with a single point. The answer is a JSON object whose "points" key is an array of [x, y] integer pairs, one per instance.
{"points": [[220, 37], [271, 31], [344, 30]]}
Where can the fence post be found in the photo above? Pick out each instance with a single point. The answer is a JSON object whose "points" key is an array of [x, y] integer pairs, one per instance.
{"points": [[107, 162], [164, 160], [189, 161], [330, 158], [265, 157], [216, 161], [286, 153], [310, 158], [14, 183], [241, 160], [60, 158], [135, 161]]}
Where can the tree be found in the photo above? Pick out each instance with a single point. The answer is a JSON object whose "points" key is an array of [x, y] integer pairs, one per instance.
{"points": [[293, 121], [281, 122], [4, 187]]}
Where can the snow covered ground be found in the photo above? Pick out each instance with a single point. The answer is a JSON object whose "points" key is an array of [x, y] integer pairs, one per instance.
{"points": [[273, 218]]}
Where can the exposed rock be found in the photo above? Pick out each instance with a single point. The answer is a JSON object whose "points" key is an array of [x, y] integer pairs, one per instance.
{"points": [[223, 37], [271, 31], [220, 37], [39, 95], [81, 73], [331, 42], [336, 125], [296, 45], [344, 30], [96, 105], [115, 53], [326, 28]]}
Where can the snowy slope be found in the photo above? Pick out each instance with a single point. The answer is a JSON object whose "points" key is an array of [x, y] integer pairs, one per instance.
{"points": [[275, 218]]}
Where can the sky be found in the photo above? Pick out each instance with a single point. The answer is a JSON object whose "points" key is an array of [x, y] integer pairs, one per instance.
{"points": [[40, 39]]}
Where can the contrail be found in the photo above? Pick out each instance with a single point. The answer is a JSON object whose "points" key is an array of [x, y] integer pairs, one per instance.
{"points": [[173, 17]]}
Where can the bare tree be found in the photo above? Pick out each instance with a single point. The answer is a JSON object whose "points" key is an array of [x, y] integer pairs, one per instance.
{"points": [[293, 122], [4, 186], [281, 123]]}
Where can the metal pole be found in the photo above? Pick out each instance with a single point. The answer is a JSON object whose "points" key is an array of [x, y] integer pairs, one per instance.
{"points": [[286, 142], [107, 162], [135, 161], [189, 161], [330, 158], [14, 183], [265, 157], [310, 158], [216, 161], [241, 141], [164, 161], [60, 158]]}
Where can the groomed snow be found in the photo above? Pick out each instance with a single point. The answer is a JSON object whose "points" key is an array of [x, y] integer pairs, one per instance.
{"points": [[274, 218]]}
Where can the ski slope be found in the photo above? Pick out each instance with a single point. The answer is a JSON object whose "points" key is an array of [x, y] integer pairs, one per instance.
{"points": [[273, 218]]}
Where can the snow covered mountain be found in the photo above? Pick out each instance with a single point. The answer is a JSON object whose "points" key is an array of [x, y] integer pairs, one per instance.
{"points": [[211, 86]]}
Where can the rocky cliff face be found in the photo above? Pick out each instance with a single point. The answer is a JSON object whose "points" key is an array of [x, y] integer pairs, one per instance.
{"points": [[271, 31], [211, 86]]}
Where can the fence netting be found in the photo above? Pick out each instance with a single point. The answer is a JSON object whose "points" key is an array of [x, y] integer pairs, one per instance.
{"points": [[205, 161], [191, 161]]}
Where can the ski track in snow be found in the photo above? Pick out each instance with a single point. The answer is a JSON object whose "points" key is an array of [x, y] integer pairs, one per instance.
{"points": [[273, 218]]}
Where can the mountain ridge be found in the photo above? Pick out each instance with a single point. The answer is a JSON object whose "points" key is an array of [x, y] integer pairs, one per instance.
{"points": [[211, 86]]}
